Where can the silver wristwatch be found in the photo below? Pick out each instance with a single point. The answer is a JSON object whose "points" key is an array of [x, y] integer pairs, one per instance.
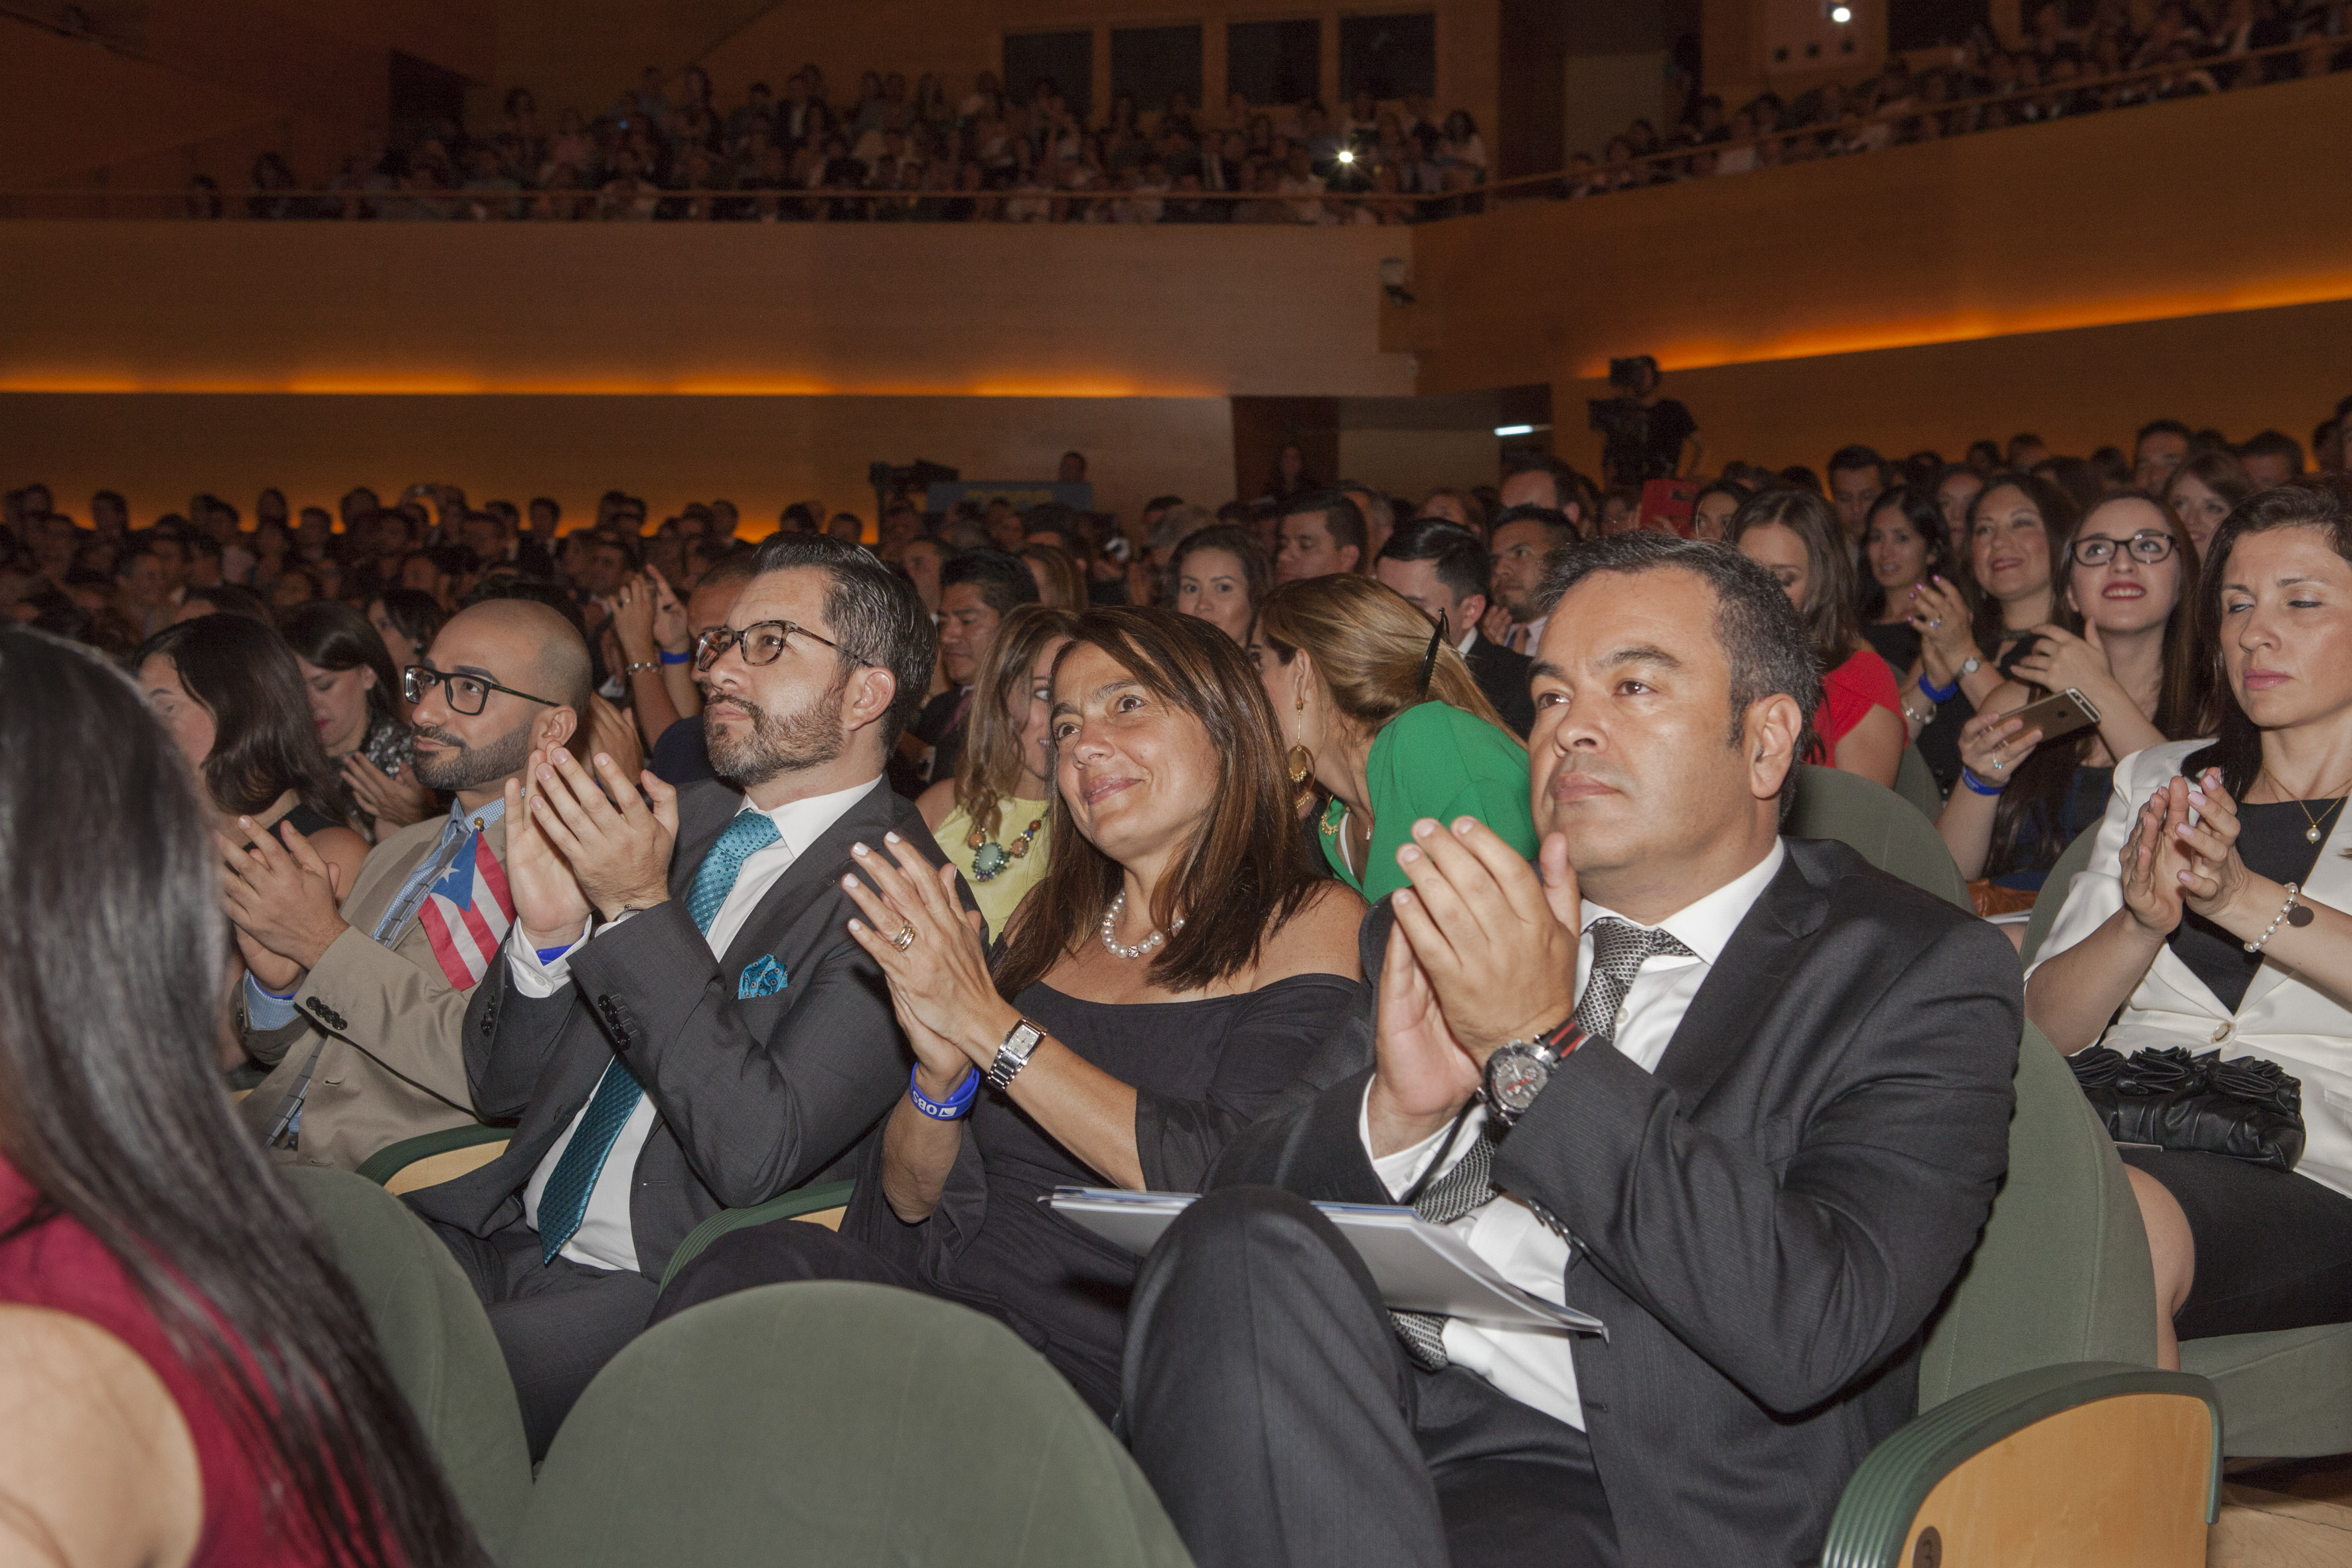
{"points": [[1968, 666], [1520, 1070], [1013, 1055]]}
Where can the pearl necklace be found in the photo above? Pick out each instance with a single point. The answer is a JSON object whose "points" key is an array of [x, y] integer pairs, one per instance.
{"points": [[1110, 923]]}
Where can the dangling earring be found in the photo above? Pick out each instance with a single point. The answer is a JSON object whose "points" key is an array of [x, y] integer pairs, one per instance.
{"points": [[1302, 761]]}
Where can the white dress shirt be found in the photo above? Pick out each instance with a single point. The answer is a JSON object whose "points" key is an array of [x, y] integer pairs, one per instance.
{"points": [[606, 1238], [1534, 1365]]}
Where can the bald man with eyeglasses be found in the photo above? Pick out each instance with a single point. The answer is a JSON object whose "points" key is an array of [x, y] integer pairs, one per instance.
{"points": [[356, 998]]}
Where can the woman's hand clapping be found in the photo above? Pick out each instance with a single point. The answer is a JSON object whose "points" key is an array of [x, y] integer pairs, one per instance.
{"points": [[932, 953], [1941, 617]]}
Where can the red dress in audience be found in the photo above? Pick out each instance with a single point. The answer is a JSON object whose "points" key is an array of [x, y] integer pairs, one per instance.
{"points": [[1849, 692], [57, 1263]]}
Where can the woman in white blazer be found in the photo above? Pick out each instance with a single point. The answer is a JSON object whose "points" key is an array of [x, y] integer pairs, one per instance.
{"points": [[2232, 932]]}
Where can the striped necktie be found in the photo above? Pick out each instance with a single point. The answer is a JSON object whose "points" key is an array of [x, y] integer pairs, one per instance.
{"points": [[563, 1204]]}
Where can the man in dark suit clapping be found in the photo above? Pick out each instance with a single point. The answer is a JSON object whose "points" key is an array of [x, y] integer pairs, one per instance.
{"points": [[1742, 1098], [681, 1022]]}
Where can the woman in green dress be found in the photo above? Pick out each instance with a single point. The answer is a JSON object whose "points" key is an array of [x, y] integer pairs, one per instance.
{"points": [[994, 819], [1377, 708]]}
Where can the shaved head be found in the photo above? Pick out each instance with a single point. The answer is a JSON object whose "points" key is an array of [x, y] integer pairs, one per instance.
{"points": [[543, 654]]}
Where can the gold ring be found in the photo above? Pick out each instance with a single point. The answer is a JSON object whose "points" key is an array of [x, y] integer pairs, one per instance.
{"points": [[906, 937]]}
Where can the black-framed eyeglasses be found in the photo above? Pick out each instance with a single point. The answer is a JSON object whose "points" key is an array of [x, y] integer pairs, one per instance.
{"points": [[2147, 548], [466, 694], [762, 642]]}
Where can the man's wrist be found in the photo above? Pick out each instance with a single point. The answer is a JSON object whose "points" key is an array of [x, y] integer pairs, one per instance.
{"points": [[541, 941], [1394, 1128], [308, 959], [635, 901]]}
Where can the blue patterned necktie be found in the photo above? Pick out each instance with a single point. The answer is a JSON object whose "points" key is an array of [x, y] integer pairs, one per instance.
{"points": [[563, 1202]]}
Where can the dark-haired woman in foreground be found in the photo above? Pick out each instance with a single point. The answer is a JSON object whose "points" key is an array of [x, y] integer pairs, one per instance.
{"points": [[2232, 932], [1178, 966], [187, 1378]]}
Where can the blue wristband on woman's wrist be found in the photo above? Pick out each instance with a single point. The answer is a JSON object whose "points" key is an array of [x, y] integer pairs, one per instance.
{"points": [[670, 657], [1939, 695], [955, 1106], [1977, 785]]}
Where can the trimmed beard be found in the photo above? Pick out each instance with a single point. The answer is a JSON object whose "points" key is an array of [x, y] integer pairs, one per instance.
{"points": [[464, 767], [779, 743]]}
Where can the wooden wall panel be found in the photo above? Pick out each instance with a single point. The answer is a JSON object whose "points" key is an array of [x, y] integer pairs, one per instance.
{"points": [[762, 453]]}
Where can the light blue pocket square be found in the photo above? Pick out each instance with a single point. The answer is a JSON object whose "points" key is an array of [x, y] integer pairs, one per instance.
{"points": [[764, 978]]}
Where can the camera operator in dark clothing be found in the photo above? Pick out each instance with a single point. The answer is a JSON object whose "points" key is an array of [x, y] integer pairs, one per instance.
{"points": [[1644, 436]]}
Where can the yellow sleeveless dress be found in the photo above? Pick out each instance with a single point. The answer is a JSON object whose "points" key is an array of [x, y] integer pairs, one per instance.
{"points": [[1012, 868]]}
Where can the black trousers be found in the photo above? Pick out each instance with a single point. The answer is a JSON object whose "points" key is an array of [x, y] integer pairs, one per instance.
{"points": [[2273, 1249], [1271, 1404], [781, 1252], [557, 1322]]}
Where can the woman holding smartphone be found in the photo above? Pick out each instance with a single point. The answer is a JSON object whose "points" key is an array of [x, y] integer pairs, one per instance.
{"points": [[2123, 637]]}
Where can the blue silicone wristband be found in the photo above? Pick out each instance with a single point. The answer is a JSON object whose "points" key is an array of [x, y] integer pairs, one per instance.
{"points": [[670, 657], [1977, 785], [955, 1106], [1936, 694]]}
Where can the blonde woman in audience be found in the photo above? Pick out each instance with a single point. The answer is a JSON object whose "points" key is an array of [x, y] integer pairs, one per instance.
{"points": [[1378, 709], [2214, 915], [993, 819]]}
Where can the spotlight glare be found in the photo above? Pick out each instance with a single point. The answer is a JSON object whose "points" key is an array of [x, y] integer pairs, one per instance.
{"points": [[1515, 429], [1840, 15], [1346, 156]]}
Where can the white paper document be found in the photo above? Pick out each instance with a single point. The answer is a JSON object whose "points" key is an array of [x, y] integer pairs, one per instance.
{"points": [[1419, 1267]]}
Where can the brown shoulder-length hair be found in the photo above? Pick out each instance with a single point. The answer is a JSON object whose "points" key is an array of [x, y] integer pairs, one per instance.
{"points": [[1246, 872], [264, 742], [1832, 611], [990, 768], [1371, 647]]}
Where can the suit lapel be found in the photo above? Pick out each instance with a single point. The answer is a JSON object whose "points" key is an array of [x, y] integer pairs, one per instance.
{"points": [[1739, 989], [811, 872]]}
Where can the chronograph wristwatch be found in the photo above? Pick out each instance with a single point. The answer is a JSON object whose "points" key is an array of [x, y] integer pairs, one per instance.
{"points": [[1520, 1070]]}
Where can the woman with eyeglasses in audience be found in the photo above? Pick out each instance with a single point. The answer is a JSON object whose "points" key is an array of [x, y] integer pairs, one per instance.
{"points": [[2125, 636], [2203, 491], [2213, 915], [354, 687], [229, 691], [1795, 536], [1378, 709], [1175, 970], [1973, 628], [1221, 576], [991, 818], [1903, 545], [187, 1375]]}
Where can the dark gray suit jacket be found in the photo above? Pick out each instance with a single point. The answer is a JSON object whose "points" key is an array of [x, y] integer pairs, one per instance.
{"points": [[1502, 675], [1766, 1223], [754, 1097]]}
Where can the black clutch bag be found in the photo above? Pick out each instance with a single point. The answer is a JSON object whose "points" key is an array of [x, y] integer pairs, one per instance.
{"points": [[2248, 1109]]}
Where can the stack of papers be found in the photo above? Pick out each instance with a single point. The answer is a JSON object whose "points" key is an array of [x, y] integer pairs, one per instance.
{"points": [[1419, 1267]]}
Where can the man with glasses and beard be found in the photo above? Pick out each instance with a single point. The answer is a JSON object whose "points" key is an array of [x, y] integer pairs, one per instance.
{"points": [[681, 1021], [356, 998]]}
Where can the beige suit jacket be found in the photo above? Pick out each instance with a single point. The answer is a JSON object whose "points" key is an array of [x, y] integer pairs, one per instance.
{"points": [[392, 1064]]}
